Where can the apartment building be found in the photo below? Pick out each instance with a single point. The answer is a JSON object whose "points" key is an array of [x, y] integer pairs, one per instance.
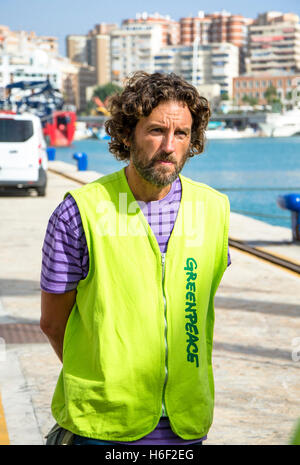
{"points": [[24, 56], [218, 27], [86, 79], [77, 49], [19, 42], [38, 66], [226, 27], [215, 27], [93, 49], [192, 28], [201, 65], [274, 44], [31, 67], [133, 47], [256, 85], [170, 28], [224, 65]]}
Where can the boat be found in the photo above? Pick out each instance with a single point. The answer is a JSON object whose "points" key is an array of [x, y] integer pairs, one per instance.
{"points": [[43, 100], [101, 134], [59, 129], [82, 131], [285, 124], [219, 130]]}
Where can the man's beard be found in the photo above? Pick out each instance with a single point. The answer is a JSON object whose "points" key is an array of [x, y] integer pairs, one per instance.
{"points": [[158, 175]]}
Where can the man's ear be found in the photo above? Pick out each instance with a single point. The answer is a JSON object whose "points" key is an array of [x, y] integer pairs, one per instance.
{"points": [[126, 142]]}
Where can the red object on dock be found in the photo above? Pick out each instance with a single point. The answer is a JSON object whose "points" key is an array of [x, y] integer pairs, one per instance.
{"points": [[60, 128]]}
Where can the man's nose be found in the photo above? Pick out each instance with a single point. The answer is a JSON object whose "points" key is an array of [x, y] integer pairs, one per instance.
{"points": [[169, 143]]}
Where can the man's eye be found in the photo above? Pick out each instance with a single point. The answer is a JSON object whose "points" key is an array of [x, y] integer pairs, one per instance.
{"points": [[156, 130]]}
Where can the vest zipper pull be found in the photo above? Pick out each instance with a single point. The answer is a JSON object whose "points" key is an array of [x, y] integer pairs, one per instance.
{"points": [[163, 261]]}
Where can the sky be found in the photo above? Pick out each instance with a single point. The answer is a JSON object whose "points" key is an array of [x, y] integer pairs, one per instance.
{"points": [[62, 17]]}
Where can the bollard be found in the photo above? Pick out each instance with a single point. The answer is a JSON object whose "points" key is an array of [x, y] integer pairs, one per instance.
{"points": [[82, 160], [51, 153], [292, 202]]}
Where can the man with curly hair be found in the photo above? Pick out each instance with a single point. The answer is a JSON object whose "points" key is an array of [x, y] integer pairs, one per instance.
{"points": [[131, 264]]}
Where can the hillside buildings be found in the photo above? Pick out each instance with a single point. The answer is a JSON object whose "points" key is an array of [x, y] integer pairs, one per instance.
{"points": [[24, 56], [170, 29], [274, 43], [239, 56], [93, 50], [133, 47], [215, 63], [154, 43]]}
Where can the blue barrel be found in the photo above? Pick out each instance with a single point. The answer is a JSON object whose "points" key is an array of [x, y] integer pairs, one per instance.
{"points": [[51, 153], [291, 202], [82, 160]]}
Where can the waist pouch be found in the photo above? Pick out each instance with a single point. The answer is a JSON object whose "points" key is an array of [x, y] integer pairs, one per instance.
{"points": [[59, 436]]}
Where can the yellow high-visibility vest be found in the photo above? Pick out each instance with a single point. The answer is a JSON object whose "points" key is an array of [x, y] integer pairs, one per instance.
{"points": [[140, 333]]}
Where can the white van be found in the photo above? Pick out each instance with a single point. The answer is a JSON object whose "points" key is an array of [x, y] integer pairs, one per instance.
{"points": [[23, 154]]}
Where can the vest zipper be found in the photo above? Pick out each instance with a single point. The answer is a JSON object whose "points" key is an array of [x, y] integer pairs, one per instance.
{"points": [[163, 260]]}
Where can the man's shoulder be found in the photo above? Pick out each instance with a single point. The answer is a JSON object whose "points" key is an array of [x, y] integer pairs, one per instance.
{"points": [[202, 187], [100, 183]]}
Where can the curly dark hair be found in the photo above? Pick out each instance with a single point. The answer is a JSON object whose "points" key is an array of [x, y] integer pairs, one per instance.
{"points": [[141, 94]]}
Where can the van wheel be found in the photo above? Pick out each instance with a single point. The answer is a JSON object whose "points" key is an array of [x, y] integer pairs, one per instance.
{"points": [[41, 191]]}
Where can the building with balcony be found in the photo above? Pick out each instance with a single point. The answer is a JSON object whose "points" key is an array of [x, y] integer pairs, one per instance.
{"points": [[38, 66], [24, 56], [77, 49], [274, 44], [93, 49], [195, 27], [218, 27], [226, 27], [133, 47], [170, 28], [23, 42], [200, 64]]}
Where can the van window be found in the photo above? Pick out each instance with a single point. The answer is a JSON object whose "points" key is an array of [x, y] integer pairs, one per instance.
{"points": [[12, 130]]}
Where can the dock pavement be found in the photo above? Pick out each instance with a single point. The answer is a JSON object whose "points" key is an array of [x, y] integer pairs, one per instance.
{"points": [[256, 354]]}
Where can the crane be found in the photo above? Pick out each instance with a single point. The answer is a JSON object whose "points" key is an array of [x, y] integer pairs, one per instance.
{"points": [[45, 101]]}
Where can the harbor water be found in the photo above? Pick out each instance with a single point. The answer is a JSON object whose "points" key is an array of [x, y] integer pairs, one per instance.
{"points": [[252, 172]]}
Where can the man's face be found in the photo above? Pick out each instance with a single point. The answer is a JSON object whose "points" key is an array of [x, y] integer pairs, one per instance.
{"points": [[160, 146]]}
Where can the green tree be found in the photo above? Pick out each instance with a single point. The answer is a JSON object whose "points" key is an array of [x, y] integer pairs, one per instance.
{"points": [[271, 95], [224, 96], [289, 95], [102, 92], [252, 101], [273, 99]]}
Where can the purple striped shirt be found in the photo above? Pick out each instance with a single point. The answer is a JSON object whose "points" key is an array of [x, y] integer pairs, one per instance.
{"points": [[65, 262]]}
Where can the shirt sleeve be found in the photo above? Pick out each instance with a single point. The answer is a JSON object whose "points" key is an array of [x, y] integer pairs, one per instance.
{"points": [[229, 258], [65, 259]]}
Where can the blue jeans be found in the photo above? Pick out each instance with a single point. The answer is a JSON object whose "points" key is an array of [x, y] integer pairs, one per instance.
{"points": [[82, 441]]}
